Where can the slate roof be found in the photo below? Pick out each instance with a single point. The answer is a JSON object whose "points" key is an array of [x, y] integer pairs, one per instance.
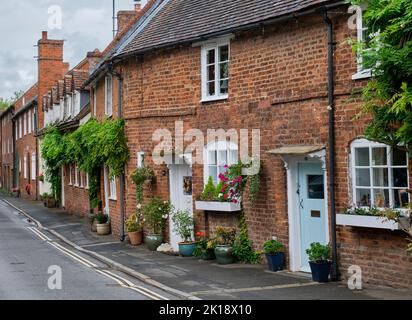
{"points": [[185, 20]]}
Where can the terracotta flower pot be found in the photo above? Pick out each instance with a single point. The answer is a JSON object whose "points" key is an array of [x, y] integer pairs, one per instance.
{"points": [[103, 229], [136, 238]]}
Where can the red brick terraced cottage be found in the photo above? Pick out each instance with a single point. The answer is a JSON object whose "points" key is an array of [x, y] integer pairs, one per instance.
{"points": [[7, 147], [284, 68]]}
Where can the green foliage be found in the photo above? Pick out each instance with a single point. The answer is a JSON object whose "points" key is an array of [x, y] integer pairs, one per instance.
{"points": [[225, 236], [91, 146], [319, 253], [273, 246], [6, 103], [102, 218], [135, 222], [243, 246], [388, 96], [139, 177], [183, 225], [156, 212], [209, 193]]}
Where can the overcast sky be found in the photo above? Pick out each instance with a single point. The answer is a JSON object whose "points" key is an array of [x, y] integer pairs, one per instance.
{"points": [[86, 25]]}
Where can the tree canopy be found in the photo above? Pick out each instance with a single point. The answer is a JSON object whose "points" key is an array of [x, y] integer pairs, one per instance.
{"points": [[388, 95]]}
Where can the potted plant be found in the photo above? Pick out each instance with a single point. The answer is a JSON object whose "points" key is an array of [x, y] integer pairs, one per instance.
{"points": [[184, 226], [103, 225], [275, 254], [156, 213], [49, 200], [319, 260], [92, 220], [225, 238], [134, 226], [205, 248]]}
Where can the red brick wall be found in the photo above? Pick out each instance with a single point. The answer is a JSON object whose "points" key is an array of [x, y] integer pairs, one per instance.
{"points": [[76, 196], [278, 85], [6, 145]]}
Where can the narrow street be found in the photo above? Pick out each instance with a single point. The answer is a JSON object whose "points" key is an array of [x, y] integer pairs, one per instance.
{"points": [[27, 255]]}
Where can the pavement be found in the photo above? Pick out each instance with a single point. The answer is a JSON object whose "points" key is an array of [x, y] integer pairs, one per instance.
{"points": [[191, 278]]}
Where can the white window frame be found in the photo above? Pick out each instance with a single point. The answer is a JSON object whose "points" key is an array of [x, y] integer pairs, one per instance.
{"points": [[81, 179], [70, 174], [364, 143], [76, 176], [87, 181], [29, 121], [33, 166], [25, 123], [25, 167], [232, 154], [360, 28], [94, 100], [20, 127], [108, 95], [206, 47], [112, 187]]}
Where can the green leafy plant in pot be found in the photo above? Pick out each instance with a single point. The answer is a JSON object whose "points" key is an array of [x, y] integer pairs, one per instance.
{"points": [[225, 238], [205, 248], [134, 226], [319, 260], [102, 224], [156, 212], [183, 225], [275, 254]]}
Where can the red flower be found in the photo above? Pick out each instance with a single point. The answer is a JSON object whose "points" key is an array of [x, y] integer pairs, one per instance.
{"points": [[200, 234], [234, 201], [226, 196]]}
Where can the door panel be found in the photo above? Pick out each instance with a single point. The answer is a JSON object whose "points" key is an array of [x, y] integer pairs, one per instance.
{"points": [[181, 194], [312, 208]]}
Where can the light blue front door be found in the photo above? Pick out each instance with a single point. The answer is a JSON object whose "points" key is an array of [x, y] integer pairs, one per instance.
{"points": [[311, 197]]}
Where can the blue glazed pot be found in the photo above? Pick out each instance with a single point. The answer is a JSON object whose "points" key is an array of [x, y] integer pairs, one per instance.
{"points": [[320, 271], [154, 241], [187, 249], [276, 261]]}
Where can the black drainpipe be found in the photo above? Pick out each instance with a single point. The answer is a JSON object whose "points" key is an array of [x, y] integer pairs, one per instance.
{"points": [[122, 176], [331, 142]]}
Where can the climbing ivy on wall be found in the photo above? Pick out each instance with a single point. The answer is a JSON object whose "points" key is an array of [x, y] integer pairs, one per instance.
{"points": [[92, 145]]}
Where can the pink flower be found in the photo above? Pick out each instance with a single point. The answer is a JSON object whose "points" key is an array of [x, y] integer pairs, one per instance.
{"points": [[234, 201]]}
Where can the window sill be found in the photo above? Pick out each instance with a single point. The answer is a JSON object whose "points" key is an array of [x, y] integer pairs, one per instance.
{"points": [[349, 220], [364, 74], [212, 99], [112, 199], [218, 206]]}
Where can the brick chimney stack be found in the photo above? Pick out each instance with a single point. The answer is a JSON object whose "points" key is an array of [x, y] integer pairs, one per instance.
{"points": [[125, 17], [51, 68]]}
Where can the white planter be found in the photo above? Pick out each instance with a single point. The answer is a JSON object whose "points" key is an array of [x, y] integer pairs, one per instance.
{"points": [[218, 206], [370, 222]]}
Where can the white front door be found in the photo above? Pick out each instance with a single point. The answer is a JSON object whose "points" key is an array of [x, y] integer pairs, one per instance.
{"points": [[181, 196], [106, 184]]}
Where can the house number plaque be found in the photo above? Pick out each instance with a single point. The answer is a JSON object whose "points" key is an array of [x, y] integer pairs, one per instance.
{"points": [[315, 214]]}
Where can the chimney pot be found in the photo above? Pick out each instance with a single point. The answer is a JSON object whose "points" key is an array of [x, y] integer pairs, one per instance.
{"points": [[44, 35], [137, 7]]}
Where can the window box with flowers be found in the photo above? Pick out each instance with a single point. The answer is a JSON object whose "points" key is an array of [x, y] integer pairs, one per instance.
{"points": [[388, 219], [225, 197]]}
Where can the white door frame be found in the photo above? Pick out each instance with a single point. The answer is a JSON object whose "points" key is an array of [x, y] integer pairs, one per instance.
{"points": [[174, 197], [292, 164], [106, 183]]}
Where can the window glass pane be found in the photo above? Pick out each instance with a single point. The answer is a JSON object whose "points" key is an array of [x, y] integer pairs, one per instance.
{"points": [[211, 88], [224, 86], [379, 156], [316, 187], [363, 178], [213, 173], [211, 73], [224, 53], [211, 56], [398, 157], [363, 197], [362, 156], [380, 177], [381, 198], [224, 70], [233, 157], [222, 158], [400, 178], [211, 157], [401, 198]]}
